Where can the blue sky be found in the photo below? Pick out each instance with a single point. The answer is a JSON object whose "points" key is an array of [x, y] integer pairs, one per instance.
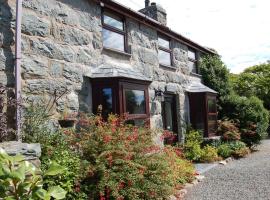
{"points": [[238, 29]]}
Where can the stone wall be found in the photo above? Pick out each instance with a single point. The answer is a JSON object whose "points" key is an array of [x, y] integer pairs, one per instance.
{"points": [[62, 44], [31, 152]]}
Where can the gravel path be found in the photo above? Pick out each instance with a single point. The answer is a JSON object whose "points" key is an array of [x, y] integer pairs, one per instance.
{"points": [[247, 179]]}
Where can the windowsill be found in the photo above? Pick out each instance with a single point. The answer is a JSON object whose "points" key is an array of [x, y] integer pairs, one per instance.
{"points": [[167, 67], [111, 50], [195, 74]]}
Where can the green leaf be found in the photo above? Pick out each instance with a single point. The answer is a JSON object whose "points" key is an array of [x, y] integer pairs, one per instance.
{"points": [[10, 198], [54, 169], [57, 192], [17, 158], [19, 173], [42, 194]]}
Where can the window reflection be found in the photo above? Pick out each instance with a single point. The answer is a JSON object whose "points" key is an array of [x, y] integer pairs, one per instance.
{"points": [[107, 106], [191, 55], [192, 66], [164, 57], [113, 40], [135, 101], [113, 21], [164, 43]]}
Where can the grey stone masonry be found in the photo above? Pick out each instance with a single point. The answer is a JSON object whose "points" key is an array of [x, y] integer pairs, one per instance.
{"points": [[156, 12], [31, 152], [62, 48]]}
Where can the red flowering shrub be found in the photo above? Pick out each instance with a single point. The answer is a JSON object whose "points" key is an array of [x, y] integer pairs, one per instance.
{"points": [[124, 163]]}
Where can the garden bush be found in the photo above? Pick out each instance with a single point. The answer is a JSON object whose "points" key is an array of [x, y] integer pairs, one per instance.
{"points": [[239, 149], [123, 162], [192, 146], [54, 148], [228, 130], [224, 150], [20, 179], [247, 111], [209, 154], [183, 169], [250, 136]]}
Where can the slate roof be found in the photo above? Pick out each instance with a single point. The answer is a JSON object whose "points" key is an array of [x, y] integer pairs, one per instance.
{"points": [[112, 70], [196, 87]]}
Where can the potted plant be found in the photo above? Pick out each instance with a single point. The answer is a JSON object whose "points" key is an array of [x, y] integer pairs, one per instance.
{"points": [[68, 119]]}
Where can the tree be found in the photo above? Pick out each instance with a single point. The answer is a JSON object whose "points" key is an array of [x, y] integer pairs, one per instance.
{"points": [[255, 81], [215, 75]]}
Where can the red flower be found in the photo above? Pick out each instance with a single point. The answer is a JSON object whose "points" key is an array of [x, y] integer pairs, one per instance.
{"points": [[121, 185], [107, 138], [110, 160]]}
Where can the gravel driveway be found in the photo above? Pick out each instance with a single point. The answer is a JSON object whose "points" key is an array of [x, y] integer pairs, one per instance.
{"points": [[247, 179]]}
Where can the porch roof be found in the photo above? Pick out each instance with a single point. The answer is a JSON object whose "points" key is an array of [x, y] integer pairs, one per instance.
{"points": [[113, 71], [197, 87]]}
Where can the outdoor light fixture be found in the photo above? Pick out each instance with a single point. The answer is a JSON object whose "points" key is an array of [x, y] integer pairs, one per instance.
{"points": [[159, 95]]}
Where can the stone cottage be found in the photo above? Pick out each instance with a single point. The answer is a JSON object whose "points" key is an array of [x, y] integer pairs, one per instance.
{"points": [[103, 53]]}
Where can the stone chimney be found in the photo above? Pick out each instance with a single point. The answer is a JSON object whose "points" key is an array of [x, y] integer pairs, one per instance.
{"points": [[155, 11]]}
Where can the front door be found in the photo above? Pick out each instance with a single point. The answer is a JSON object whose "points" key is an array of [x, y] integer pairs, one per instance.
{"points": [[169, 113]]}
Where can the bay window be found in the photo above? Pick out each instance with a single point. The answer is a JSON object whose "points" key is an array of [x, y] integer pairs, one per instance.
{"points": [[123, 97]]}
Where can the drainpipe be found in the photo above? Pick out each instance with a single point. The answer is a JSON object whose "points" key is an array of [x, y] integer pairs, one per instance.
{"points": [[18, 57]]}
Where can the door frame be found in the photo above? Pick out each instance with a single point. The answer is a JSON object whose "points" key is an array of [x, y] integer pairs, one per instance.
{"points": [[174, 112]]}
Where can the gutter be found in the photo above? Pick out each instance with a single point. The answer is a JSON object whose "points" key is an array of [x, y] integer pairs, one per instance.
{"points": [[18, 57]]}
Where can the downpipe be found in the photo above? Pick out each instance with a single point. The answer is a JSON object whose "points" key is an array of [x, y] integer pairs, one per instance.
{"points": [[18, 57]]}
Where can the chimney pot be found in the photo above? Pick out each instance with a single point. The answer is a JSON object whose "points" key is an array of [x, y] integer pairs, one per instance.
{"points": [[155, 11], [147, 3]]}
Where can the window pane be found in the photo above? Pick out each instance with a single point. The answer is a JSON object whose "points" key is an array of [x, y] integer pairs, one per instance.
{"points": [[135, 101], [164, 57], [136, 122], [114, 21], [164, 43], [113, 40], [107, 101], [211, 106], [191, 55], [192, 66], [212, 123], [168, 116]]}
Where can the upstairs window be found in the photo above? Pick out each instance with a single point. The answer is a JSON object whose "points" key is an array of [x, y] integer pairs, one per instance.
{"points": [[165, 52], [192, 61], [114, 33]]}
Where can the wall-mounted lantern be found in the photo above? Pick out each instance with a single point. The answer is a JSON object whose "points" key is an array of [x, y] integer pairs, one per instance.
{"points": [[159, 95]]}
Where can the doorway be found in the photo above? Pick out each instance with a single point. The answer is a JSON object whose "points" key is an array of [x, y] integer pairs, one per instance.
{"points": [[169, 113]]}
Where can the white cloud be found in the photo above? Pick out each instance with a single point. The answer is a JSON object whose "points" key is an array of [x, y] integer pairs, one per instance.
{"points": [[238, 29]]}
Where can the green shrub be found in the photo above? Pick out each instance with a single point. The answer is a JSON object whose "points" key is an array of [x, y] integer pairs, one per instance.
{"points": [[57, 149], [236, 145], [209, 154], [247, 111], [240, 153], [123, 161], [183, 170], [20, 179], [239, 149], [192, 146], [224, 150], [54, 148]]}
